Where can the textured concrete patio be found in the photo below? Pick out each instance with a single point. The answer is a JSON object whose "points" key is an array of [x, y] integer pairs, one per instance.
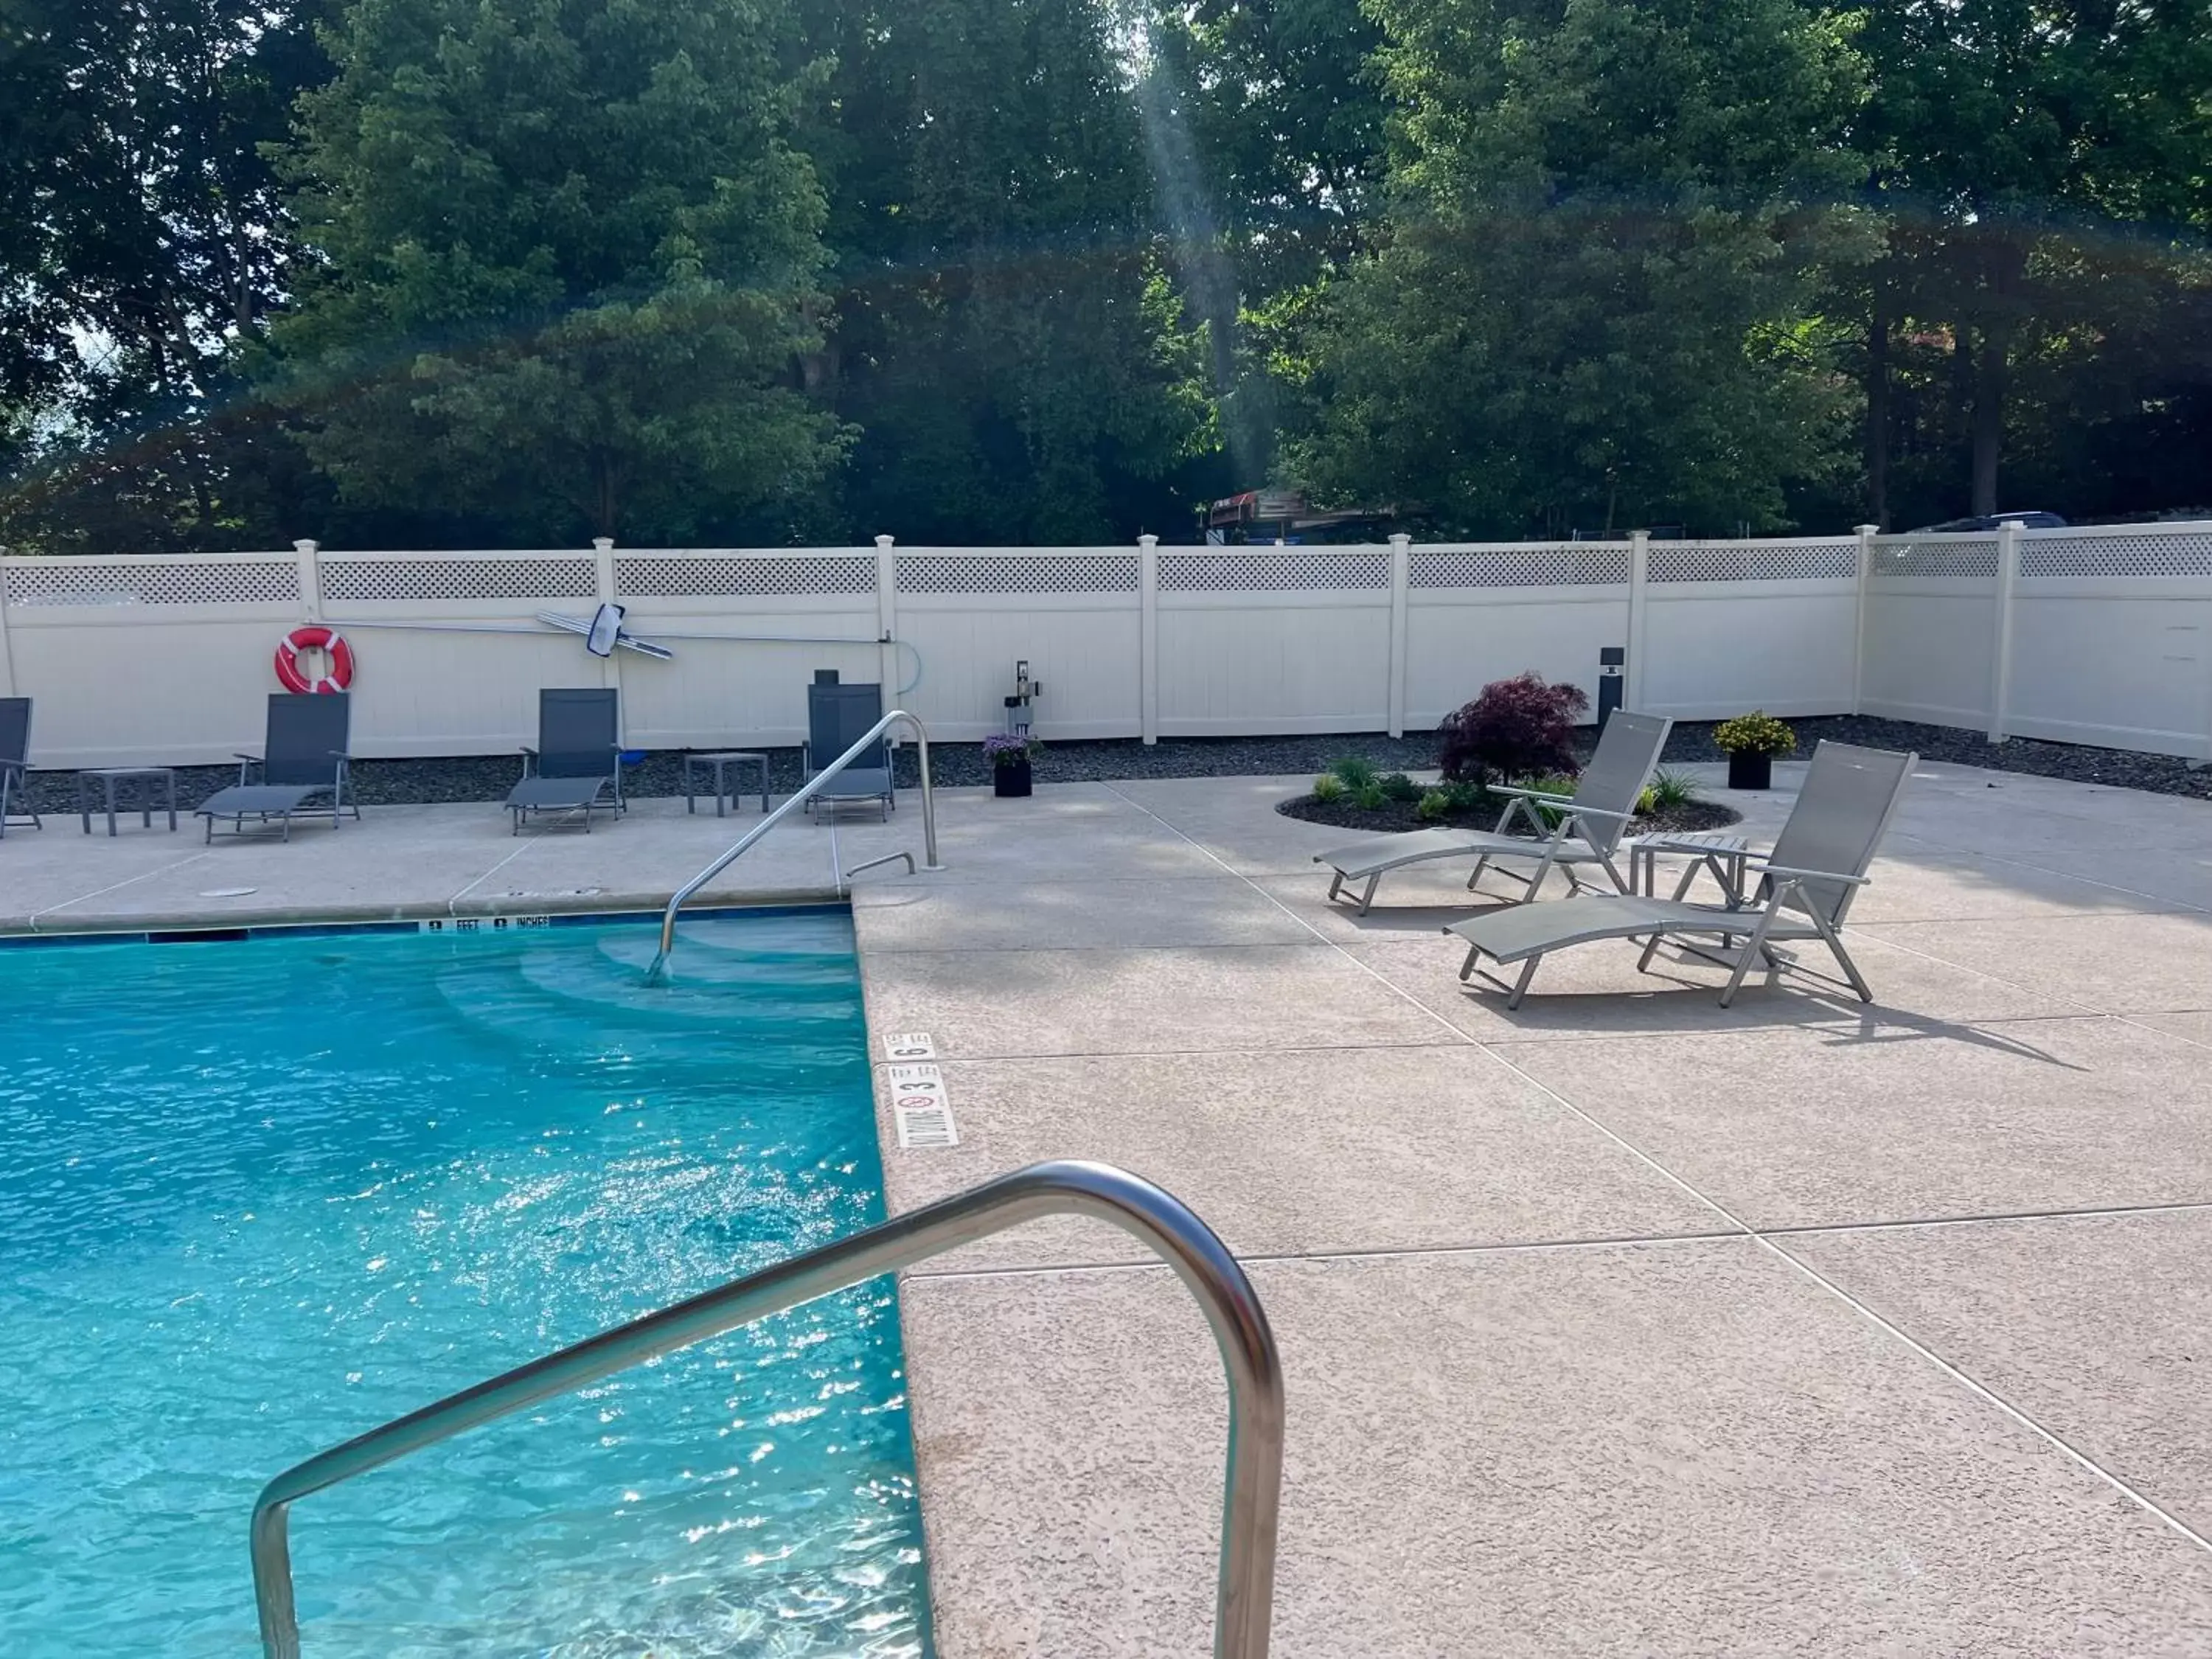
{"points": [[1621, 1324]]}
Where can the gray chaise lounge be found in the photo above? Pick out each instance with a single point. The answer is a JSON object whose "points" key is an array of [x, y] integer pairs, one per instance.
{"points": [[14, 763], [837, 717], [577, 765], [303, 767], [1595, 818], [1806, 885]]}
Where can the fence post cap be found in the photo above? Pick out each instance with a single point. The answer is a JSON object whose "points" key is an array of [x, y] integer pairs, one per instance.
{"points": [[305, 545]]}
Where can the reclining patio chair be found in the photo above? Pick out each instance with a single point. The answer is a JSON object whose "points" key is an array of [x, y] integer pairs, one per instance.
{"points": [[577, 765], [837, 717], [1806, 885], [303, 767], [14, 763], [1591, 823]]}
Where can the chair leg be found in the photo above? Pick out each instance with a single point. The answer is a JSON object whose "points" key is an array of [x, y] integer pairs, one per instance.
{"points": [[1480, 865], [1466, 968], [1367, 898], [1521, 984], [1335, 886], [1753, 948], [1843, 959]]}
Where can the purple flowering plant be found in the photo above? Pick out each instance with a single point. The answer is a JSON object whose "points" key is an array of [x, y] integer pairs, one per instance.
{"points": [[1009, 749]]}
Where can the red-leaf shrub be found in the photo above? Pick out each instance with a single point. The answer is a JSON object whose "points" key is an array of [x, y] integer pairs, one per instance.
{"points": [[1517, 728]]}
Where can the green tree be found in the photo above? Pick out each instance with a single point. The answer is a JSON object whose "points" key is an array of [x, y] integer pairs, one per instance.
{"points": [[2005, 142], [143, 242], [569, 266], [1265, 121], [1596, 304], [1006, 339]]}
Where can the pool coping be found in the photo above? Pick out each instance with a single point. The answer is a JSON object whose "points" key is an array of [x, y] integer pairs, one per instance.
{"points": [[552, 910]]}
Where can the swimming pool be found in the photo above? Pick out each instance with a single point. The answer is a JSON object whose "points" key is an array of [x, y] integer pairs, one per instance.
{"points": [[257, 1197]]}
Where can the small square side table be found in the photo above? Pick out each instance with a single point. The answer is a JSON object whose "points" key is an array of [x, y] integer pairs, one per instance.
{"points": [[721, 761], [108, 776]]}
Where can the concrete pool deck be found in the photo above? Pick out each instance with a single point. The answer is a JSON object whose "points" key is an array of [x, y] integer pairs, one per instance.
{"points": [[1620, 1324]]}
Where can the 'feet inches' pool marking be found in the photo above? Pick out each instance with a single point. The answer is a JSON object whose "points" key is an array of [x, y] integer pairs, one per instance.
{"points": [[921, 1106]]}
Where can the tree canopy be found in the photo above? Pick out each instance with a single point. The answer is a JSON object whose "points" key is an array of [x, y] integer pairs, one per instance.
{"points": [[508, 272], [567, 255], [1596, 306]]}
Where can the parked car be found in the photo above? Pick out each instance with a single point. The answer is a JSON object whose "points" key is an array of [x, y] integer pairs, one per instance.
{"points": [[2033, 518]]}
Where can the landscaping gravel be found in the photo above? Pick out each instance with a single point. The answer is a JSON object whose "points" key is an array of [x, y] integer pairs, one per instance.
{"points": [[1400, 815], [488, 778], [2122, 769]]}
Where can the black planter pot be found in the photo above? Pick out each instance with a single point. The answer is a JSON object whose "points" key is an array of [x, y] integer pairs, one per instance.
{"points": [[1011, 779], [1749, 770]]}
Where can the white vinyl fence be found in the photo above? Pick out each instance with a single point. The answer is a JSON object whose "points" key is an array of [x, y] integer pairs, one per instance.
{"points": [[2092, 637]]}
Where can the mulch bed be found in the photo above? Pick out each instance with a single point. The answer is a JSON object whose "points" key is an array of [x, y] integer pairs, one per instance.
{"points": [[387, 782], [1401, 815]]}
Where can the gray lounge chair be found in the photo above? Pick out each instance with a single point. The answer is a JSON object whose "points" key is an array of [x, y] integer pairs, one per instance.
{"points": [[303, 767], [837, 717], [577, 765], [1806, 885], [1589, 831], [14, 764]]}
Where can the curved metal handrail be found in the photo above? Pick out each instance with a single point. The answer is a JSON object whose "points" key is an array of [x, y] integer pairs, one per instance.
{"points": [[1244, 1593], [807, 791]]}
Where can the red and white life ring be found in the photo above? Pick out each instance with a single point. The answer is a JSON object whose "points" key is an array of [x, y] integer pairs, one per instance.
{"points": [[314, 636]]}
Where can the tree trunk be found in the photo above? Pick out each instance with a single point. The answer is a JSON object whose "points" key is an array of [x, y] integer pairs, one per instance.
{"points": [[2005, 264], [1989, 364], [1877, 408]]}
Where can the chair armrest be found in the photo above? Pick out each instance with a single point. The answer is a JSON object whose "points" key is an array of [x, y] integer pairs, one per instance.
{"points": [[1789, 873], [1533, 794], [250, 760], [1574, 810]]}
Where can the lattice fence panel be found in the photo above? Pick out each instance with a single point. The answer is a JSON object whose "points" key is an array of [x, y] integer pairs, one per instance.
{"points": [[460, 579], [1949, 556], [714, 575], [2187, 553], [1273, 572], [1731, 561], [87, 581], [1018, 572], [1567, 564]]}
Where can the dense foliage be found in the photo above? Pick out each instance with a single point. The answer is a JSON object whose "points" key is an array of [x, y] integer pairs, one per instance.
{"points": [[1516, 728], [504, 272], [1756, 733]]}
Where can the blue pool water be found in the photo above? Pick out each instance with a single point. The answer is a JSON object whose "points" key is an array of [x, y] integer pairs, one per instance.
{"points": [[257, 1197]]}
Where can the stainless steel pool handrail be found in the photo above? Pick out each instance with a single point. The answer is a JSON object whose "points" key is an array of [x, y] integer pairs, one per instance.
{"points": [[807, 791], [1244, 1593]]}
